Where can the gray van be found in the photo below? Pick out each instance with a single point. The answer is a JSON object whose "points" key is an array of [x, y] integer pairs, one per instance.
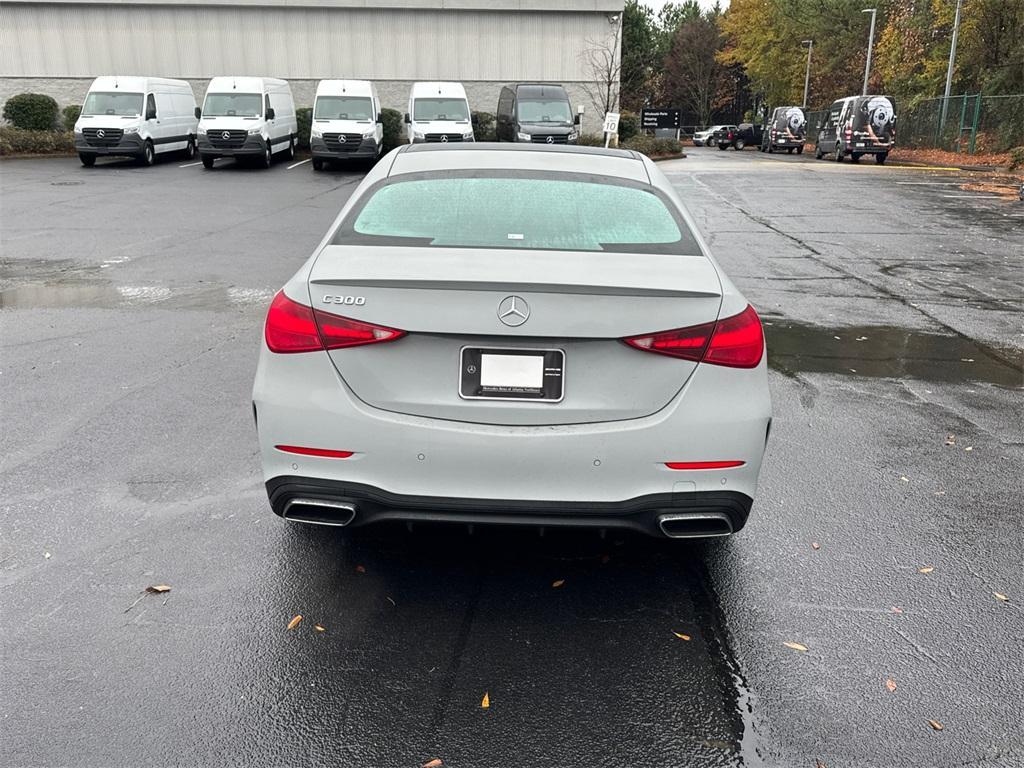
{"points": [[536, 112], [857, 126]]}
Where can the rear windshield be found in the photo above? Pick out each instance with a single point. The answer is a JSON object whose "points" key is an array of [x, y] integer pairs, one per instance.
{"points": [[343, 108], [123, 104], [874, 114], [233, 105], [791, 119], [440, 109], [566, 212]]}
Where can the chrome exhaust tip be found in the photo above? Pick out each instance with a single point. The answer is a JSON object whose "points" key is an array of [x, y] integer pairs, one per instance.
{"points": [[695, 525], [319, 512]]}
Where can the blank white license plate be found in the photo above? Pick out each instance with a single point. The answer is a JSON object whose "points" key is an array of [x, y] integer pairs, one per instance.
{"points": [[512, 371], [511, 374]]}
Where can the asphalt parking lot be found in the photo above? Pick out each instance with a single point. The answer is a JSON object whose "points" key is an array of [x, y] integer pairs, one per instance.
{"points": [[886, 533]]}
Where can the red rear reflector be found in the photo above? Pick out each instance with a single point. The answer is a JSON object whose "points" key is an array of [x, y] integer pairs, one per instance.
{"points": [[294, 327], [703, 464], [325, 452], [736, 342]]}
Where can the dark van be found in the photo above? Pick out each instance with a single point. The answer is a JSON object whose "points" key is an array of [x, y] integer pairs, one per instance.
{"points": [[785, 131], [857, 126], [536, 112]]}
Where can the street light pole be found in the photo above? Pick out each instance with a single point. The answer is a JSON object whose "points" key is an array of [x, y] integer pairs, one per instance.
{"points": [[807, 75], [871, 44], [949, 69]]}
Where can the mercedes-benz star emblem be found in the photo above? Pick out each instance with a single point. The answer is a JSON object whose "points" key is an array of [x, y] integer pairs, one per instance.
{"points": [[226, 135], [513, 311], [100, 133], [341, 138], [444, 138], [550, 139]]}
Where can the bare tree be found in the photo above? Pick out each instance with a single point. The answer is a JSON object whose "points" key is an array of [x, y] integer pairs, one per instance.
{"points": [[693, 75], [602, 61]]}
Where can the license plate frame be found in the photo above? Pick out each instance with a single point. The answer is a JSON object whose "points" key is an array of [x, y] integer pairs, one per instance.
{"points": [[552, 389]]}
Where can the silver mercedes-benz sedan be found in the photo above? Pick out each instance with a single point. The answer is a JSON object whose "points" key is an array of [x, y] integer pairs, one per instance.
{"points": [[513, 334]]}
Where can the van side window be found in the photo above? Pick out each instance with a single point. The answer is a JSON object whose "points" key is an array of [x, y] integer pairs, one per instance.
{"points": [[150, 106]]}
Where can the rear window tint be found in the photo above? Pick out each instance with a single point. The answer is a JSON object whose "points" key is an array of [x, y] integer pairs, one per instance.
{"points": [[567, 213]]}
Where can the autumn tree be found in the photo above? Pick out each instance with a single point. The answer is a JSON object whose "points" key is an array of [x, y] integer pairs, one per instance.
{"points": [[639, 56], [694, 78]]}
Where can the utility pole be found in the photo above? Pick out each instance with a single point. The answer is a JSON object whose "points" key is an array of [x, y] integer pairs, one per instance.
{"points": [[949, 69], [807, 75], [871, 44]]}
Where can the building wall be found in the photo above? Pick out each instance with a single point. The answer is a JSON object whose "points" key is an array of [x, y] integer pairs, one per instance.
{"points": [[58, 47]]}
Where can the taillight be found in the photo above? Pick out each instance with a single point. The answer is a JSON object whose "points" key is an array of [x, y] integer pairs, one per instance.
{"points": [[736, 342], [294, 327]]}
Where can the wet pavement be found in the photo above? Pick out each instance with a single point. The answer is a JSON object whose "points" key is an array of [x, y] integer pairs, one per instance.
{"points": [[131, 303]]}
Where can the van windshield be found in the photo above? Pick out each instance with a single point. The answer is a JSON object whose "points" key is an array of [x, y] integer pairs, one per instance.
{"points": [[544, 111], [102, 103], [570, 212], [233, 105], [440, 109], [343, 108]]}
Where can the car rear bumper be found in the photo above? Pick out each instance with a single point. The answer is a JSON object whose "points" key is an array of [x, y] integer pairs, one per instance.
{"points": [[722, 512], [720, 414]]}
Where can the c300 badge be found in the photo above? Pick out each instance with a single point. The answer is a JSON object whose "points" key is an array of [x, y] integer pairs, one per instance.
{"points": [[350, 300]]}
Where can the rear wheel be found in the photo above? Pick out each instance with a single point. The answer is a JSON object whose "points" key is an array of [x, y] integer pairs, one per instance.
{"points": [[318, 164], [800, 150], [268, 156], [148, 156], [855, 157], [723, 147], [87, 160], [740, 144], [839, 153], [818, 154], [208, 161], [291, 148], [880, 158], [190, 149], [789, 150]]}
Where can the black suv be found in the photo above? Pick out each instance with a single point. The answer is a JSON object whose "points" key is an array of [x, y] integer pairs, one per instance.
{"points": [[737, 136]]}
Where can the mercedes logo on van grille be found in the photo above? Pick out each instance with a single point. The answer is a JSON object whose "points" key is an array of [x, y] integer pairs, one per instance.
{"points": [[226, 135], [444, 138], [551, 139], [341, 138], [100, 133], [513, 311]]}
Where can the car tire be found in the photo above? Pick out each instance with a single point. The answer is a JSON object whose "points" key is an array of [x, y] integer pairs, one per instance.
{"points": [[789, 150], [818, 154], [739, 145], [291, 148], [839, 153], [880, 158], [723, 147], [318, 164], [800, 150], [148, 156], [190, 149], [268, 157], [855, 157], [207, 161], [87, 160]]}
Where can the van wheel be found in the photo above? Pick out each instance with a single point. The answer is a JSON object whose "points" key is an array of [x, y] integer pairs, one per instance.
{"points": [[880, 158], [789, 150], [740, 144], [855, 157], [148, 156], [800, 149], [190, 149], [318, 164], [268, 156], [87, 160], [839, 154], [818, 154], [723, 147], [291, 148], [208, 161]]}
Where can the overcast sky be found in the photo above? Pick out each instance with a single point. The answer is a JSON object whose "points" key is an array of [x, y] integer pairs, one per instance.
{"points": [[656, 5]]}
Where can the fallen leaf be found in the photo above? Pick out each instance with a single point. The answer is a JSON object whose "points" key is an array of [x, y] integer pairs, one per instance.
{"points": [[891, 685], [950, 439], [557, 583], [486, 703], [295, 622], [796, 646], [819, 764], [46, 555], [435, 763], [681, 636], [926, 569], [904, 478], [936, 725], [318, 628], [360, 569], [897, 609], [1001, 596], [158, 589], [969, 448], [815, 545]]}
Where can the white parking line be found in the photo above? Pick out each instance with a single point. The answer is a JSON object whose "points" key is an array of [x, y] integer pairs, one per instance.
{"points": [[189, 165], [296, 165], [976, 196]]}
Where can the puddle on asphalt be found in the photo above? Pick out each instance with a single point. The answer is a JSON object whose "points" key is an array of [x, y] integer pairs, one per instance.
{"points": [[880, 351], [105, 295]]}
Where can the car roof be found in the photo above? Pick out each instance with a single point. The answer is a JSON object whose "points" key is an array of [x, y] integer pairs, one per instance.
{"points": [[426, 89], [343, 87], [621, 163], [538, 89]]}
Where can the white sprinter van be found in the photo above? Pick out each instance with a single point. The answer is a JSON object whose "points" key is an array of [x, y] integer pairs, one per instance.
{"points": [[347, 124], [248, 117], [138, 117], [438, 112]]}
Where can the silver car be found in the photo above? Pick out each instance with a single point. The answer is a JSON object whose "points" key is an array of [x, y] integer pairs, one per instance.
{"points": [[513, 334]]}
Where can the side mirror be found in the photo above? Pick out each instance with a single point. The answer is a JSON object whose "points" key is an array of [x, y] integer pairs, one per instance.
{"points": [[270, 113], [576, 120], [407, 120], [380, 118], [199, 113]]}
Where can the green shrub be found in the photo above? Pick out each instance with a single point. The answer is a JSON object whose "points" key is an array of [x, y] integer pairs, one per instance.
{"points": [[483, 130], [591, 140], [31, 112], [629, 126], [393, 128], [304, 121], [15, 141], [71, 113], [653, 147], [1016, 158]]}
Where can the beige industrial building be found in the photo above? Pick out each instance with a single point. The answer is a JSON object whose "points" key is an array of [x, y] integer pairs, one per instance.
{"points": [[58, 46]]}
